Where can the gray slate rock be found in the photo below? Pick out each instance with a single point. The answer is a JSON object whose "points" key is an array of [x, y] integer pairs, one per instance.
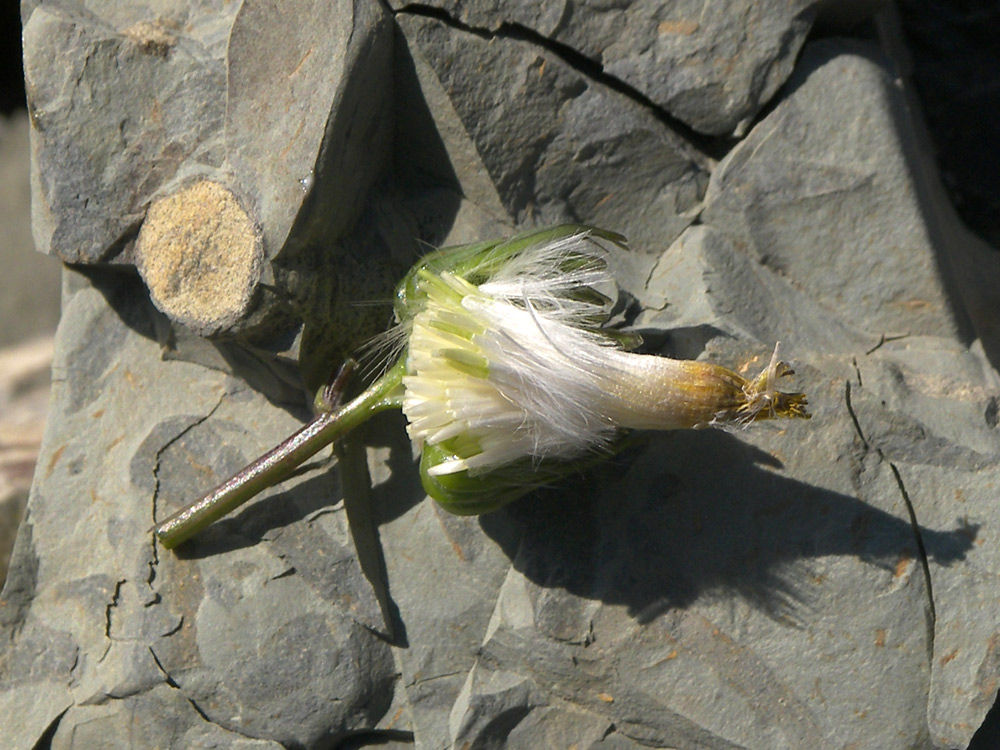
{"points": [[203, 96], [806, 584], [307, 118], [572, 137], [133, 102], [223, 625], [711, 67], [633, 601], [160, 718]]}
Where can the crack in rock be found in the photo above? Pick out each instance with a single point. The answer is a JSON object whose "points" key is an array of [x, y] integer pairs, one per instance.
{"points": [[45, 739], [910, 510], [436, 677], [921, 548], [155, 558], [166, 445], [851, 412], [714, 146], [111, 605], [171, 682]]}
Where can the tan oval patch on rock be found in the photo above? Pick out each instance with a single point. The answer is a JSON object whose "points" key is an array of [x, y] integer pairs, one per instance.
{"points": [[200, 254]]}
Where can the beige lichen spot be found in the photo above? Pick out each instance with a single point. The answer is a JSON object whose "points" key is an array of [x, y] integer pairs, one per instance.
{"points": [[153, 38], [200, 254], [680, 27]]}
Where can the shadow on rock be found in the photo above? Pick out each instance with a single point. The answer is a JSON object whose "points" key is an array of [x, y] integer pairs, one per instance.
{"points": [[695, 514], [684, 516]]}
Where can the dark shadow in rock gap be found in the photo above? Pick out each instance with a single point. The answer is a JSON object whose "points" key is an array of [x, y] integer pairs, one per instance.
{"points": [[969, 273], [987, 737], [348, 298], [956, 66]]}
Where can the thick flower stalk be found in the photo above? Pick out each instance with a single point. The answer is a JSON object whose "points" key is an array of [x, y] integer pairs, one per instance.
{"points": [[508, 381]]}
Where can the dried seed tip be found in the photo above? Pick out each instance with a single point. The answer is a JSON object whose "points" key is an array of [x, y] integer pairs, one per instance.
{"points": [[765, 401]]}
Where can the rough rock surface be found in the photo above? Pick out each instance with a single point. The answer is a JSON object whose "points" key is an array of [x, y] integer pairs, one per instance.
{"points": [[819, 584], [710, 66], [283, 115]]}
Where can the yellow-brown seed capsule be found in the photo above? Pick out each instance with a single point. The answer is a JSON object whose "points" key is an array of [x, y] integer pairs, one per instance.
{"points": [[656, 393]]}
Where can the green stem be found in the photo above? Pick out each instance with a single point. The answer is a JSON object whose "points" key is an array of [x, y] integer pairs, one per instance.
{"points": [[281, 461]]}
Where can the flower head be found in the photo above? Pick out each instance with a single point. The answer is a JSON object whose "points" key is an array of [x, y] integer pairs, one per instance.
{"points": [[507, 366], [508, 379]]}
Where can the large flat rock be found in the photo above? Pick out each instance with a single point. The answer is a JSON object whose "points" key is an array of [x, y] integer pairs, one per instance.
{"points": [[826, 583], [710, 67]]}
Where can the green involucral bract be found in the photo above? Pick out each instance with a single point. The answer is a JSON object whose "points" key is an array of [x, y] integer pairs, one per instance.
{"points": [[466, 495], [477, 262], [463, 494]]}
